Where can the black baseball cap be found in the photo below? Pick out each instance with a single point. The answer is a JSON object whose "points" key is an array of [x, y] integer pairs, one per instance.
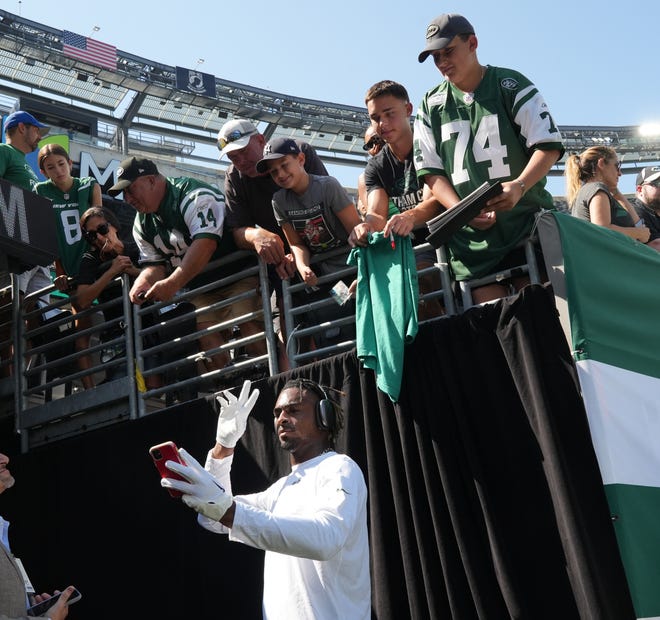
{"points": [[129, 170], [442, 30], [276, 148]]}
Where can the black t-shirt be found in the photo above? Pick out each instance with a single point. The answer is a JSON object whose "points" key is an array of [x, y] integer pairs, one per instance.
{"points": [[650, 218], [92, 267], [399, 180]]}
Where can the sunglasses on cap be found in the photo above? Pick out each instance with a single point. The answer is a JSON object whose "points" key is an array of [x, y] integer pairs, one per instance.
{"points": [[373, 141], [232, 136], [90, 235]]}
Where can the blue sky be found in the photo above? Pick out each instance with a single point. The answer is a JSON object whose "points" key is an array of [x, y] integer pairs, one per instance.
{"points": [[593, 61]]}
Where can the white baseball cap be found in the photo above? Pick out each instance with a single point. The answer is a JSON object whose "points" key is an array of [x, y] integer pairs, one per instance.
{"points": [[235, 134]]}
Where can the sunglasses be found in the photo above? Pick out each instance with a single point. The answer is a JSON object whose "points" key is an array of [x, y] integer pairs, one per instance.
{"points": [[373, 141], [232, 136], [90, 235], [655, 183]]}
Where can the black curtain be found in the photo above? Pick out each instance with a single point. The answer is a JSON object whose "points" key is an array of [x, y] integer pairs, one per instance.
{"points": [[485, 499]]}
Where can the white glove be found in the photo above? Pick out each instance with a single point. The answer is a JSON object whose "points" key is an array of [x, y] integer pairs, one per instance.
{"points": [[202, 492], [234, 413]]}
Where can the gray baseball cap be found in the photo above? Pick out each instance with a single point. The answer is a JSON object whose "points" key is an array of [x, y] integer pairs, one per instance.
{"points": [[442, 30]]}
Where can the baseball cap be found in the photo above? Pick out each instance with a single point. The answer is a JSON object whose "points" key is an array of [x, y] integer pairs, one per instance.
{"points": [[27, 119], [129, 170], [442, 30], [235, 135], [648, 175], [276, 148]]}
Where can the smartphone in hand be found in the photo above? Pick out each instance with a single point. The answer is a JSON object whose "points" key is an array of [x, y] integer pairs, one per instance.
{"points": [[41, 608], [162, 453]]}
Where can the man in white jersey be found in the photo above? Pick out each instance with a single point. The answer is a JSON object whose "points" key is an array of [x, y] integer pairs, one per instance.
{"points": [[312, 523], [483, 123], [179, 228]]}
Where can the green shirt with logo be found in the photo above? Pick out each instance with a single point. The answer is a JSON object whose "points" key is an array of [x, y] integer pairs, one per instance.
{"points": [[15, 169]]}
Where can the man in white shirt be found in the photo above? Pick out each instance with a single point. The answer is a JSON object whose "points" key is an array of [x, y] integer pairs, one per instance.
{"points": [[312, 523]]}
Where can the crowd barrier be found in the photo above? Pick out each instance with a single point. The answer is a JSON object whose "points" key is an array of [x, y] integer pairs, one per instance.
{"points": [[146, 358]]}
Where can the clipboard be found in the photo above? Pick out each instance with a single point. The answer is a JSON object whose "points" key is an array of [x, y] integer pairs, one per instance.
{"points": [[444, 225]]}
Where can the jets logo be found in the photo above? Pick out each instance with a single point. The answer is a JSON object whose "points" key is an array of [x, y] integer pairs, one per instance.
{"points": [[431, 30], [509, 83]]}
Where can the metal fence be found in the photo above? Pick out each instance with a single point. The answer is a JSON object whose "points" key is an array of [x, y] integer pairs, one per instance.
{"points": [[49, 357], [142, 359]]}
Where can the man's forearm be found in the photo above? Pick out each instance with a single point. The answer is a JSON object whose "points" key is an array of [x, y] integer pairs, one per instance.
{"points": [[196, 258], [244, 237]]}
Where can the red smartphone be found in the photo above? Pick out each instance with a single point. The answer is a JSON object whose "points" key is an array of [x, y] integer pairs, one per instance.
{"points": [[162, 453]]}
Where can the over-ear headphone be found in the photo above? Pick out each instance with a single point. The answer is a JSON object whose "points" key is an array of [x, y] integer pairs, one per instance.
{"points": [[326, 413], [326, 410]]}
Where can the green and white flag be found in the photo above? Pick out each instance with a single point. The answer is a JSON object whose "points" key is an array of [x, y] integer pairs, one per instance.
{"points": [[611, 307]]}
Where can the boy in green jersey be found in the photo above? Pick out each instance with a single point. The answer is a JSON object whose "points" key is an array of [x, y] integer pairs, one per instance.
{"points": [[483, 123]]}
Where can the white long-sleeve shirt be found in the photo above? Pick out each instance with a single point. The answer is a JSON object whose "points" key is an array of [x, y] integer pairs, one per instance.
{"points": [[313, 526]]}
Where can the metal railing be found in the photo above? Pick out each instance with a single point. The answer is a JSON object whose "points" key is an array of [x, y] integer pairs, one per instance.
{"points": [[142, 359], [174, 373], [529, 269], [296, 308], [111, 347]]}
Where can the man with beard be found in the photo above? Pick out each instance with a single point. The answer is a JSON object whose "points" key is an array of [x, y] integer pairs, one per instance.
{"points": [[22, 135], [647, 202], [249, 193], [312, 523]]}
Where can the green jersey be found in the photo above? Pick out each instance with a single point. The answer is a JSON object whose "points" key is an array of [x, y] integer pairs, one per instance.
{"points": [[15, 169], [68, 207], [190, 210], [488, 135]]}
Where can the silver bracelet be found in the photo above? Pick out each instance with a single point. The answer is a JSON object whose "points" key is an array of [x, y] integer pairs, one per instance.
{"points": [[522, 185]]}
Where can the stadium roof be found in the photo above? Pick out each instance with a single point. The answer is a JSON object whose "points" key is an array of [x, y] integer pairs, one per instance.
{"points": [[141, 97]]}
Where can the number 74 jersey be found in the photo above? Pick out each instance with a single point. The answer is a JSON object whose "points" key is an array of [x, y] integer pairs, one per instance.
{"points": [[487, 135]]}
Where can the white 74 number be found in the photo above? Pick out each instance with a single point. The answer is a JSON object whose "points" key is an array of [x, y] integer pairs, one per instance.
{"points": [[486, 146]]}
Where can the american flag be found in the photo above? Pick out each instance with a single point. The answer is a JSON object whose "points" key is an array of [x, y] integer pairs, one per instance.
{"points": [[89, 50]]}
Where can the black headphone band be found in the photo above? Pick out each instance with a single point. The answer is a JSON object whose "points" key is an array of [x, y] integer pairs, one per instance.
{"points": [[317, 388]]}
